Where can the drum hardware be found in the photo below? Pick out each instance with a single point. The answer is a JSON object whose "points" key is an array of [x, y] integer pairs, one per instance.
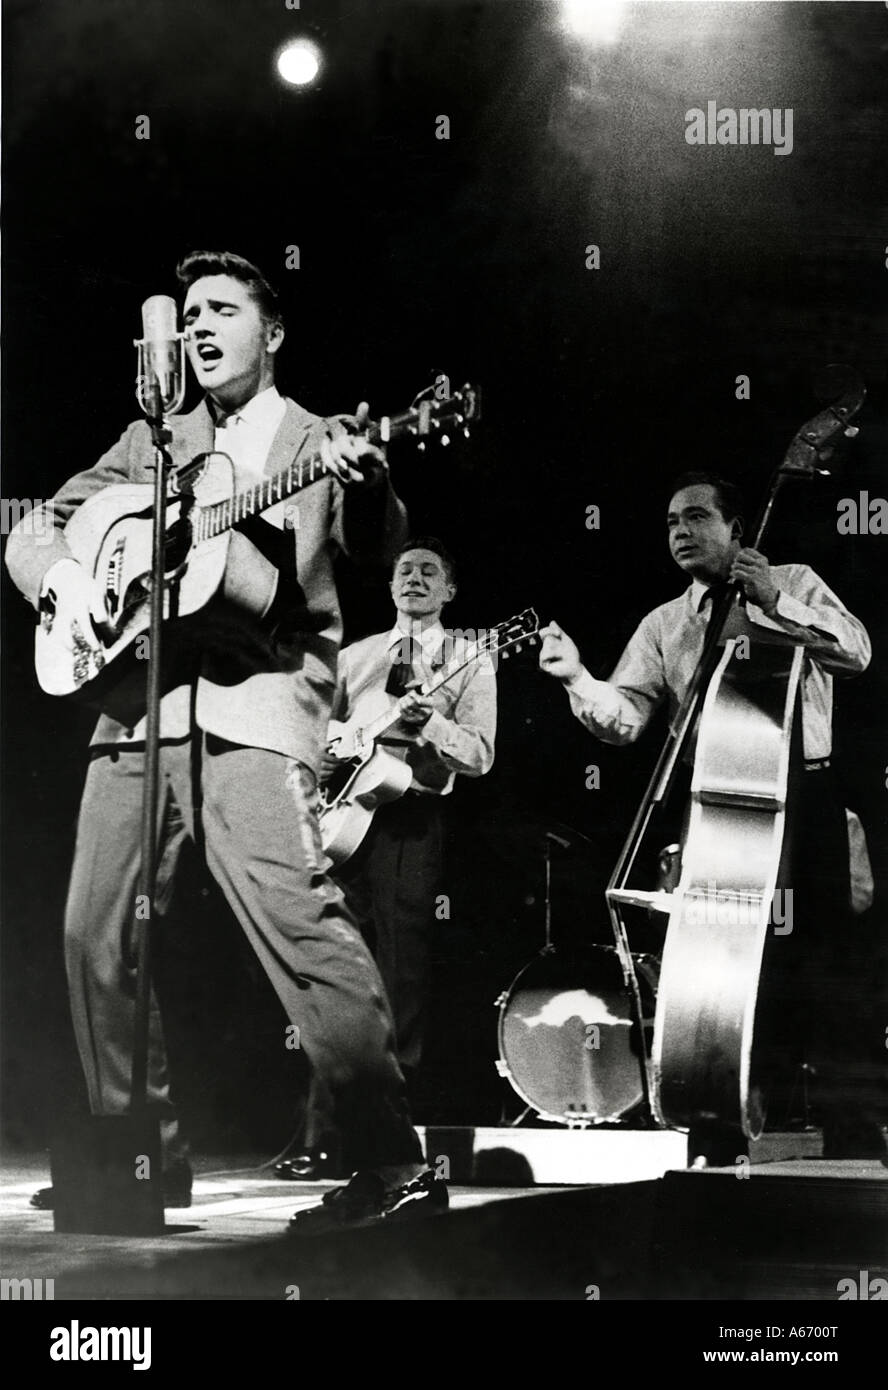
{"points": [[568, 1037], [568, 1043], [804, 1074], [550, 839]]}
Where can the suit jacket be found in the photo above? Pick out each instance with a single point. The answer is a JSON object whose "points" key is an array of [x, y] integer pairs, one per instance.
{"points": [[459, 735], [261, 685]]}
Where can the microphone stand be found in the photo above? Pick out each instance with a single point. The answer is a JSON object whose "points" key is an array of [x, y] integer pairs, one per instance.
{"points": [[97, 1164], [160, 436]]}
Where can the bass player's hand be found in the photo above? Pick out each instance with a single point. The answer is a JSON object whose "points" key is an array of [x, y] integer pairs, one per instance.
{"points": [[559, 654]]}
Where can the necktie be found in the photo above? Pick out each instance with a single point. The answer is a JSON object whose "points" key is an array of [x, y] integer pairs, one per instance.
{"points": [[713, 598], [404, 655]]}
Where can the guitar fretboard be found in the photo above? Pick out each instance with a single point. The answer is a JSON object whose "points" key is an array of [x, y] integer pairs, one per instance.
{"points": [[222, 516]]}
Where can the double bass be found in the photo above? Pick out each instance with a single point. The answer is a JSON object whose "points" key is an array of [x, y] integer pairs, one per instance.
{"points": [[743, 705]]}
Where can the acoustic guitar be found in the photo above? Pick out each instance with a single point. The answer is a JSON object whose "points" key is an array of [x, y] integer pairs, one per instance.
{"points": [[110, 535]]}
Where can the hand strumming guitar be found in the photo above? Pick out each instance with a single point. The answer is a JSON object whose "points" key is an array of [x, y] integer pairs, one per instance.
{"points": [[416, 709]]}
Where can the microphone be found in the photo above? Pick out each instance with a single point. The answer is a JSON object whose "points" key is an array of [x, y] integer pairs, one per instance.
{"points": [[160, 382]]}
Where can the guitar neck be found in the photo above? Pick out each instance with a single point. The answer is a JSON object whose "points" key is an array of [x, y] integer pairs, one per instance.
{"points": [[384, 721], [253, 501], [422, 419]]}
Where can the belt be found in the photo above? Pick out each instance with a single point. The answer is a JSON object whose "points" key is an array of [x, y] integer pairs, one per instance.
{"points": [[817, 764]]}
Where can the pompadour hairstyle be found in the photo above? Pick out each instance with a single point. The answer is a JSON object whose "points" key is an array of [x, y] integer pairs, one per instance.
{"points": [[198, 264]]}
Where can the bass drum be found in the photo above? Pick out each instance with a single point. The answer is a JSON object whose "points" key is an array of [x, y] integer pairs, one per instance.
{"points": [[568, 1042]]}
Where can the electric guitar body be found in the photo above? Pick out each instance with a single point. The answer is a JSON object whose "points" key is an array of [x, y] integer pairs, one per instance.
{"points": [[369, 776]]}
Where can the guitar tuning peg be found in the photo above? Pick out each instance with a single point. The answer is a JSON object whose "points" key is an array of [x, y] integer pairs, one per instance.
{"points": [[467, 432], [421, 446], [445, 440]]}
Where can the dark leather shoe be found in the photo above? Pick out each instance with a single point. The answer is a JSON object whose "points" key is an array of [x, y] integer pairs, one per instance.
{"points": [[422, 1196], [177, 1181], [359, 1201], [366, 1200], [314, 1166]]}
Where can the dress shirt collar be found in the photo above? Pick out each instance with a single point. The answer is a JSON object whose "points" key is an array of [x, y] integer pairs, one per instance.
{"points": [[699, 589], [431, 639], [265, 411], [696, 592]]}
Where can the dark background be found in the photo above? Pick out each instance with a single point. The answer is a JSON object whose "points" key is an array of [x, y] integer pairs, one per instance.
{"points": [[465, 256]]}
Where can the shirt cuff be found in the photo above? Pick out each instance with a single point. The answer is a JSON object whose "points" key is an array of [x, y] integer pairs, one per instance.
{"points": [[582, 687], [436, 729]]}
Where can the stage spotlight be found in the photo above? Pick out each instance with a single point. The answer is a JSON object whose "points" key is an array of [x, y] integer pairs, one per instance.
{"points": [[299, 62], [596, 21]]}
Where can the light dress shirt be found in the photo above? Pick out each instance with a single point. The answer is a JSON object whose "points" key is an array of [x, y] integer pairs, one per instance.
{"points": [[663, 652]]}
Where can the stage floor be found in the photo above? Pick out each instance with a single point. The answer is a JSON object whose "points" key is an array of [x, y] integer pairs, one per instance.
{"points": [[786, 1229]]}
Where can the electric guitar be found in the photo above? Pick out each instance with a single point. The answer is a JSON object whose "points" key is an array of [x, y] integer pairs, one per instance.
{"points": [[110, 534], [369, 777]]}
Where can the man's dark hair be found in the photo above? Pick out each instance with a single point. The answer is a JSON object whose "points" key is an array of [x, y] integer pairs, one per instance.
{"points": [[728, 496], [198, 264], [436, 547]]}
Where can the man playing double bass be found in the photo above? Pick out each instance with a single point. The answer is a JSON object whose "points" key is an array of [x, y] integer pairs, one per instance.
{"points": [[705, 530]]}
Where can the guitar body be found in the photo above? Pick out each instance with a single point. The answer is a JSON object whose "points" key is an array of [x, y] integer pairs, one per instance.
{"points": [[735, 858], [346, 820], [208, 556], [111, 535]]}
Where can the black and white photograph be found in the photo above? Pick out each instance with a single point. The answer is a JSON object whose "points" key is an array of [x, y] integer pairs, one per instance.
{"points": [[445, 667]]}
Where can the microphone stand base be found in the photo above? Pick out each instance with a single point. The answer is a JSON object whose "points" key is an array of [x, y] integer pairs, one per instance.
{"points": [[106, 1176]]}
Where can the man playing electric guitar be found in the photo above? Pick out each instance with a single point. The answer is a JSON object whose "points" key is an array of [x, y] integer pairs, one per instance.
{"points": [[392, 880], [241, 744], [784, 602]]}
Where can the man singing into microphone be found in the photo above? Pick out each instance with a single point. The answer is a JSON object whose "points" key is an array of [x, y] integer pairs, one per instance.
{"points": [[242, 736], [705, 529]]}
